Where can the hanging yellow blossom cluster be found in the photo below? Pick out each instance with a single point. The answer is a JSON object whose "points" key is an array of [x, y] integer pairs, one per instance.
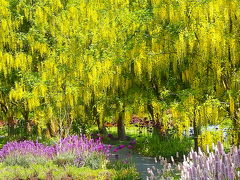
{"points": [[63, 56]]}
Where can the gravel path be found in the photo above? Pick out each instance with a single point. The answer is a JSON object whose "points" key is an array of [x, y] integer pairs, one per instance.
{"points": [[141, 162]]}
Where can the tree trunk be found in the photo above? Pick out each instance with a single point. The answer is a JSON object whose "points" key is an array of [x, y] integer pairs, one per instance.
{"points": [[50, 129], [26, 124], [120, 126], [195, 135], [236, 130], [156, 123], [196, 132], [10, 120], [235, 116], [10, 124], [101, 128]]}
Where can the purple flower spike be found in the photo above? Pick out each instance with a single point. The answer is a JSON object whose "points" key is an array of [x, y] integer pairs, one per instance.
{"points": [[77, 147], [27, 148]]}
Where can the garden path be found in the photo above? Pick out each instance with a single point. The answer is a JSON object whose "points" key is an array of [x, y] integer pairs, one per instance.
{"points": [[141, 162]]}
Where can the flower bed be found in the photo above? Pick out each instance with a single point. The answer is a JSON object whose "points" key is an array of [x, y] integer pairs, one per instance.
{"points": [[73, 150], [74, 157], [80, 151]]}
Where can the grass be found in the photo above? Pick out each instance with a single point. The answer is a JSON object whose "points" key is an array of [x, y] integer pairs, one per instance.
{"points": [[153, 145], [51, 171], [54, 172], [165, 147], [124, 170]]}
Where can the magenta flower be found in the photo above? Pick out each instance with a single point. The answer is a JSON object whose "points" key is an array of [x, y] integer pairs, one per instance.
{"points": [[130, 147], [116, 150], [121, 146], [27, 148], [132, 142]]}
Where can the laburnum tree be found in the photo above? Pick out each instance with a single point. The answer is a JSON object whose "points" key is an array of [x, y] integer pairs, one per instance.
{"points": [[68, 61]]}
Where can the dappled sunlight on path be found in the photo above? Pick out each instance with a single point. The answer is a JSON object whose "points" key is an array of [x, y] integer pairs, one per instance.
{"points": [[141, 162]]}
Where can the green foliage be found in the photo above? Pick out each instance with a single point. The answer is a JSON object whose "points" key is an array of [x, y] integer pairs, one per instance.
{"points": [[95, 161], [207, 138], [64, 159], [124, 170], [165, 147], [120, 164], [53, 172], [23, 160], [50, 170], [128, 174], [91, 160]]}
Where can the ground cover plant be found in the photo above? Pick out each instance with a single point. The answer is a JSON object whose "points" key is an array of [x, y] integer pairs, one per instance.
{"points": [[52, 171]]}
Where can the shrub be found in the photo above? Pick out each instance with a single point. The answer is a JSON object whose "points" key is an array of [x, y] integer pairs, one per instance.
{"points": [[71, 158], [70, 151], [95, 161], [166, 147], [168, 171], [212, 165], [64, 159], [24, 160], [199, 165], [80, 151], [25, 153]]}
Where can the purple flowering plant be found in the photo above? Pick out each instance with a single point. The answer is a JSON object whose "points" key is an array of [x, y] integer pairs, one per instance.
{"points": [[72, 150], [81, 151], [201, 165], [26, 152]]}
